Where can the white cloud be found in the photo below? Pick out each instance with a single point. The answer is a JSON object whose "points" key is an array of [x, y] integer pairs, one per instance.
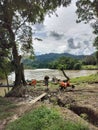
{"points": [[56, 31]]}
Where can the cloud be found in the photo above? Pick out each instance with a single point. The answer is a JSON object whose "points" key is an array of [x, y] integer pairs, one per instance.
{"points": [[56, 35], [72, 44], [62, 34], [39, 27]]}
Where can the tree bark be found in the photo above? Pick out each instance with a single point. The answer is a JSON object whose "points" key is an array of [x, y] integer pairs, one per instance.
{"points": [[19, 88], [18, 66], [19, 73], [19, 70]]}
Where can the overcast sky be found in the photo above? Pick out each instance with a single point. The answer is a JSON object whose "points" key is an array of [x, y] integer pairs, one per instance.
{"points": [[62, 34]]}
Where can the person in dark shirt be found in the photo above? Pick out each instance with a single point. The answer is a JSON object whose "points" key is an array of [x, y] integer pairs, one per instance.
{"points": [[46, 81]]}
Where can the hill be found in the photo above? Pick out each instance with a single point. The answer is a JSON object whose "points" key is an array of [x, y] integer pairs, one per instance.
{"points": [[42, 61], [53, 56]]}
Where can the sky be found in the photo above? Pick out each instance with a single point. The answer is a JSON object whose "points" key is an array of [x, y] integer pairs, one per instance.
{"points": [[62, 34]]}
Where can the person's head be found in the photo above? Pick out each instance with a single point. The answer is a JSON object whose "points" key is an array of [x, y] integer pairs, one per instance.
{"points": [[58, 80]]}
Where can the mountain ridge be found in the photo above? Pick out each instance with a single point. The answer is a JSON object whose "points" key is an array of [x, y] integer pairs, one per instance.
{"points": [[57, 55], [42, 61]]}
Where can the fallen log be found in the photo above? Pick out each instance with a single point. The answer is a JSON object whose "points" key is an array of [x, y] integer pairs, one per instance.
{"points": [[38, 98], [31, 102]]}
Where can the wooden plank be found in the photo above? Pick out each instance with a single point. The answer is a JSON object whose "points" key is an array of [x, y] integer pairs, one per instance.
{"points": [[38, 98], [33, 100]]}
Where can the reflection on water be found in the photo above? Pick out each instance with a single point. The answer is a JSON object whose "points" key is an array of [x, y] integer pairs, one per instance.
{"points": [[40, 73]]}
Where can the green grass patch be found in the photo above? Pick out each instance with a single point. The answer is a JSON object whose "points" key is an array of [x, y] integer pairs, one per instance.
{"points": [[83, 79], [89, 67], [5, 107], [44, 118]]}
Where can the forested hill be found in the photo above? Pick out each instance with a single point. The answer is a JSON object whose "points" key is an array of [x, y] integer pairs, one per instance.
{"points": [[54, 56], [43, 61]]}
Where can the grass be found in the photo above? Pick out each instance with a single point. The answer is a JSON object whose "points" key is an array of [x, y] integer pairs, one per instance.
{"points": [[44, 118], [89, 67], [86, 79], [5, 107]]}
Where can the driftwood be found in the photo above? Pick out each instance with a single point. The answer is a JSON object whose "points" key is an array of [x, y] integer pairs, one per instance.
{"points": [[38, 98]]}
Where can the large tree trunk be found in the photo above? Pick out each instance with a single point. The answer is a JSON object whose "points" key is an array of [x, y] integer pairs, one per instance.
{"points": [[19, 73], [20, 84], [18, 66], [19, 88]]}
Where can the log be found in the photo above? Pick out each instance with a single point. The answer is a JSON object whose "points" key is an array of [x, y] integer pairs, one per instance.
{"points": [[38, 98]]}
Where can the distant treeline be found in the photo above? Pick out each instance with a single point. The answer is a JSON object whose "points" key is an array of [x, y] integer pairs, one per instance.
{"points": [[52, 61], [57, 61]]}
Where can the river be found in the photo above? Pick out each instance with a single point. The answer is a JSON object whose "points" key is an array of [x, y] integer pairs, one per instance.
{"points": [[39, 74]]}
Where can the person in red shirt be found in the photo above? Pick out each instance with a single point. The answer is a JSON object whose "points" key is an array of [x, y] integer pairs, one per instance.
{"points": [[64, 84], [33, 82]]}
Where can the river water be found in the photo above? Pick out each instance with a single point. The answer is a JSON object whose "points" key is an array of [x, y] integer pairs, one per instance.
{"points": [[39, 74]]}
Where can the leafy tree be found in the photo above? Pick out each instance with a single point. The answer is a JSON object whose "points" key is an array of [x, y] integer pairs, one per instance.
{"points": [[87, 11], [77, 66], [5, 65], [64, 62], [96, 54], [16, 20], [89, 60]]}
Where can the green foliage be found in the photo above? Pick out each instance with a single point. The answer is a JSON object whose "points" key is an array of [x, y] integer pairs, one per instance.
{"points": [[5, 67], [4, 42], [2, 75], [53, 61], [65, 63], [17, 18], [44, 118], [87, 11], [96, 57], [83, 79], [49, 61], [89, 60], [96, 42], [77, 66], [89, 67]]}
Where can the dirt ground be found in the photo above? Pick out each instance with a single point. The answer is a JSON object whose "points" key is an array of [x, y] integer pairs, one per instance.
{"points": [[78, 105]]}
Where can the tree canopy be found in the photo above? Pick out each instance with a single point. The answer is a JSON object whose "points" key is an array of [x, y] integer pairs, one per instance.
{"points": [[87, 11], [16, 20]]}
